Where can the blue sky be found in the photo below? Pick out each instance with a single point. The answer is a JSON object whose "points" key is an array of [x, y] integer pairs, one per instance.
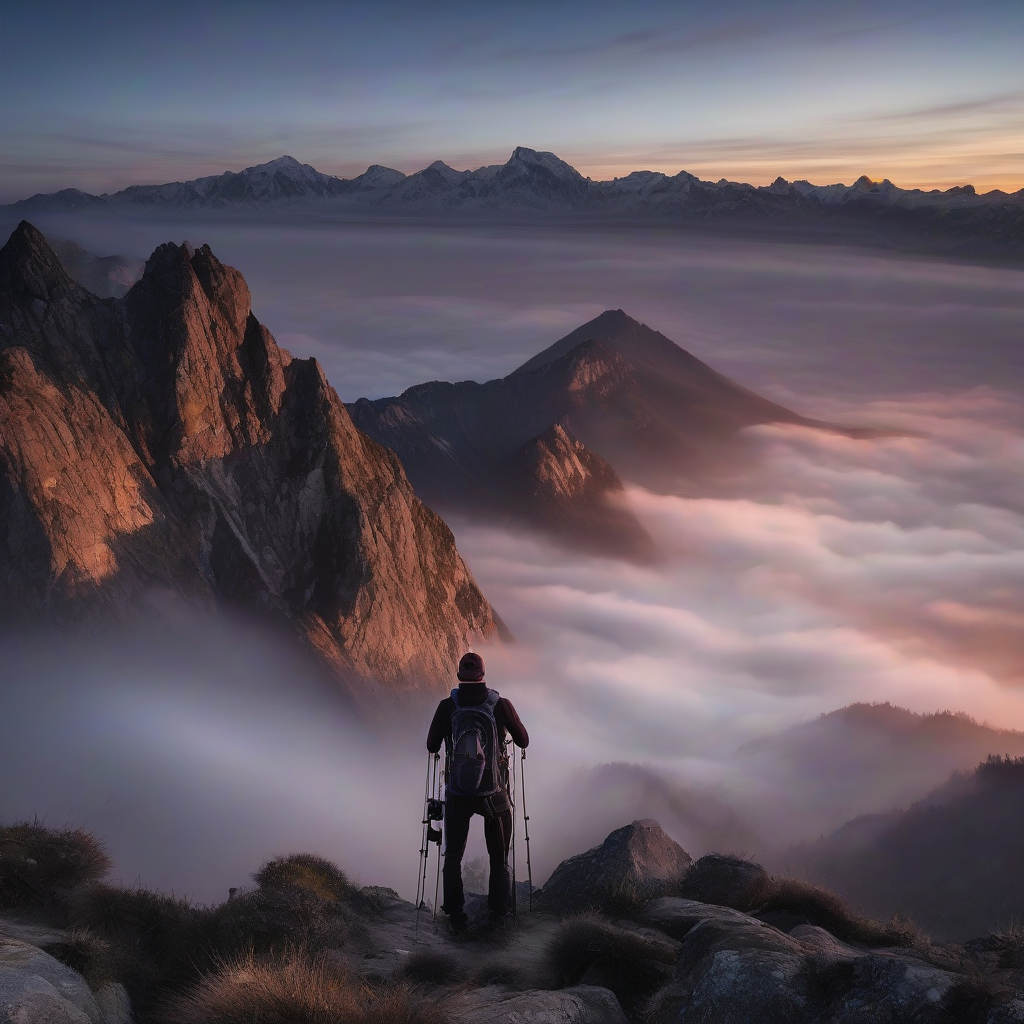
{"points": [[103, 95]]}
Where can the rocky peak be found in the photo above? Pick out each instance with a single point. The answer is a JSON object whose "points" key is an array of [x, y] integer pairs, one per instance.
{"points": [[29, 268], [165, 441]]}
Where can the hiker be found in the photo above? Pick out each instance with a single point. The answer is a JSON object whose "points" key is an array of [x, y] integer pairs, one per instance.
{"points": [[473, 723]]}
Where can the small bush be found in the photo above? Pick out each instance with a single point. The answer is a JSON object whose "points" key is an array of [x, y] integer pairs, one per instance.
{"points": [[297, 988], [434, 967], [87, 953], [305, 871], [1008, 944], [624, 899], [744, 885], [500, 970], [275, 919], [829, 911], [592, 950], [154, 939], [40, 866]]}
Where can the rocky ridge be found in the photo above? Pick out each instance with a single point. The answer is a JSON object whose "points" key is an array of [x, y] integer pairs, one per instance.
{"points": [[529, 180], [163, 443], [658, 958], [957, 220]]}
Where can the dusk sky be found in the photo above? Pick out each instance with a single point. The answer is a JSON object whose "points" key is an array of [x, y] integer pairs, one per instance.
{"points": [[103, 95]]}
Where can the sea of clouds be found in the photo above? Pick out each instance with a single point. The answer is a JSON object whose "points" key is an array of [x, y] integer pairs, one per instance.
{"points": [[829, 571]]}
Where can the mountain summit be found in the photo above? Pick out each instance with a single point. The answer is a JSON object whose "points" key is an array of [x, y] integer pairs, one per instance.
{"points": [[627, 401], [163, 442]]}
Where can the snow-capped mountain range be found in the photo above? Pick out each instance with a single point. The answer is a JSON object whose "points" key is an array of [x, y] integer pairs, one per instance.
{"points": [[529, 182]]}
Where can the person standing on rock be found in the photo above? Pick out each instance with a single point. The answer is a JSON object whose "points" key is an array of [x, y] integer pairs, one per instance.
{"points": [[473, 723]]}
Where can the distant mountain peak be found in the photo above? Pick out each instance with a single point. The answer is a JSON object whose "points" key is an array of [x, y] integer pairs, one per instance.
{"points": [[28, 266]]}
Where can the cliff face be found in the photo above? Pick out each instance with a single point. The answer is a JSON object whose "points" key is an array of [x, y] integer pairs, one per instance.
{"points": [[164, 441]]}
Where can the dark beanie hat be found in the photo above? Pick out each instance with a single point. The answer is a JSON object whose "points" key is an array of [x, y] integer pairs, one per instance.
{"points": [[471, 668]]}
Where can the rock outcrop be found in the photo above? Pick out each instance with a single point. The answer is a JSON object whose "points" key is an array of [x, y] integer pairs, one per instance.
{"points": [[640, 856], [582, 1004], [556, 483], [36, 988], [164, 442]]}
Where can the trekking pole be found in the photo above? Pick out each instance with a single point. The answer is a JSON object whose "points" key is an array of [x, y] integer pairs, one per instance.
{"points": [[526, 826], [421, 868], [437, 881], [512, 800]]}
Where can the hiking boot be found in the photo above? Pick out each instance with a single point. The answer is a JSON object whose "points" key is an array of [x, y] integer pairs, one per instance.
{"points": [[457, 923]]}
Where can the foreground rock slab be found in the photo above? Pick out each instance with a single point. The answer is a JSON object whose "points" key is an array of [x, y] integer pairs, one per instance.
{"points": [[584, 1004], [37, 989]]}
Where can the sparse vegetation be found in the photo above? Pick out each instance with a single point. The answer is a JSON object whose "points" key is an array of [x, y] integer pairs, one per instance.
{"points": [[434, 967], [500, 970], [305, 871], [155, 940], [295, 988], [589, 949], [41, 866], [743, 885]]}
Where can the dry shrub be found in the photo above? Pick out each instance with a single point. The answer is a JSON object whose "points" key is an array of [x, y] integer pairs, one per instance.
{"points": [[827, 910], [1008, 944], [297, 988], [40, 866], [434, 967], [305, 871], [590, 950], [85, 951], [274, 920], [626, 899], [746, 886], [623, 899], [154, 940], [499, 970]]}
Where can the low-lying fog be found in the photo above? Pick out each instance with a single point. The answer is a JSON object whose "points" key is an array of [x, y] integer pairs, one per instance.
{"points": [[838, 571]]}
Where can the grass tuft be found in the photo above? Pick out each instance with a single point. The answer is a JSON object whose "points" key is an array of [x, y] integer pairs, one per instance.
{"points": [[39, 866], [434, 967], [591, 950], [295, 988], [743, 885], [307, 871]]}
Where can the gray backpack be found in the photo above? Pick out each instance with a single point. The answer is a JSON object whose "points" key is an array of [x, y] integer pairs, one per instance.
{"points": [[475, 748]]}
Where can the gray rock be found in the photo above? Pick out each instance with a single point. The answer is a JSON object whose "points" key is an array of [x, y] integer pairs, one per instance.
{"points": [[726, 881], [115, 1006], [675, 916], [1011, 1012], [734, 967], [37, 989], [639, 855], [584, 1004]]}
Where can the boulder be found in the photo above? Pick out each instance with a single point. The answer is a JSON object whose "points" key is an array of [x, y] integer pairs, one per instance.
{"points": [[734, 967], [726, 881], [37, 989], [640, 857], [584, 1004]]}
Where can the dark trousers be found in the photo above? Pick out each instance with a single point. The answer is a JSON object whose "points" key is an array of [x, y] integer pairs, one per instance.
{"points": [[458, 811]]}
